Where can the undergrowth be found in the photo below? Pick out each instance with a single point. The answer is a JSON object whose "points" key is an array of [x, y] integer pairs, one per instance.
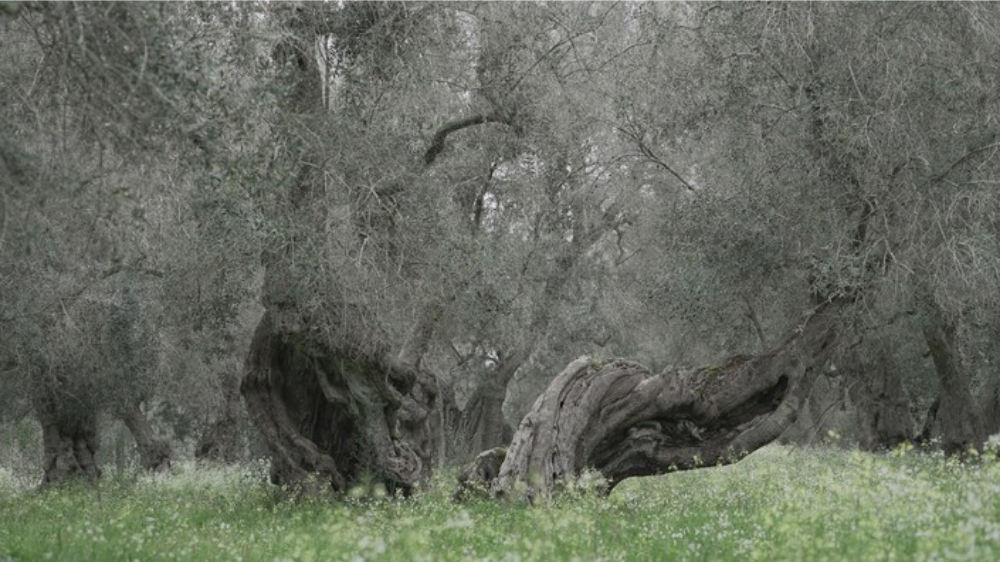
{"points": [[778, 504]]}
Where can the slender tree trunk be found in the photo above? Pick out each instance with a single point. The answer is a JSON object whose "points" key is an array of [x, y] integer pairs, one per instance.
{"points": [[221, 441], [154, 452], [486, 426], [957, 414], [450, 416], [481, 424], [894, 422], [927, 430]]}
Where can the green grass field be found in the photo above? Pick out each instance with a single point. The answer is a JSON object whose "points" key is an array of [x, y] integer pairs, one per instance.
{"points": [[778, 504]]}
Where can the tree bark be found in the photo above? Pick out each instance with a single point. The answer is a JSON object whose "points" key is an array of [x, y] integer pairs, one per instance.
{"points": [[927, 429], [329, 416], [483, 423], [480, 425], [957, 415], [332, 407], [154, 452], [622, 421], [419, 422]]}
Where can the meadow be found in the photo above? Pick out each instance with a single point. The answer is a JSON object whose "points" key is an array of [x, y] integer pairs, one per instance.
{"points": [[778, 504]]}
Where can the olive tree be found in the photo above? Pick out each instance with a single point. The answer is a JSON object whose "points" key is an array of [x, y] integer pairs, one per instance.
{"points": [[102, 107]]}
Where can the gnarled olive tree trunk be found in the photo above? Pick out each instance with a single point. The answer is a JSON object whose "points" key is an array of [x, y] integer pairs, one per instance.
{"points": [[621, 420], [70, 442], [330, 416]]}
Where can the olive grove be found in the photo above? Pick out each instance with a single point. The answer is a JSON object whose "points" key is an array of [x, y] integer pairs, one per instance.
{"points": [[387, 237]]}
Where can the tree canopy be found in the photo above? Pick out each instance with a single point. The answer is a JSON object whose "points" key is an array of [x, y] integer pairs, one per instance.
{"points": [[392, 224]]}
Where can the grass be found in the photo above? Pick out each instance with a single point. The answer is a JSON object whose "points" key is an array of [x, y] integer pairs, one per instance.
{"points": [[778, 504]]}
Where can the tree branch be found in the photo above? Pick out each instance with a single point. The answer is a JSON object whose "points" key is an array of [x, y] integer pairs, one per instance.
{"points": [[3, 224], [76, 294], [437, 143], [755, 321], [962, 160], [652, 157]]}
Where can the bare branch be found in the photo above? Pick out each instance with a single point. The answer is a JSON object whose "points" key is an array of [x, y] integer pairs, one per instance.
{"points": [[3, 219], [963, 159], [755, 321], [437, 143], [652, 157]]}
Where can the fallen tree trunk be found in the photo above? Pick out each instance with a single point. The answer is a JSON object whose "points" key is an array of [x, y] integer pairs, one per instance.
{"points": [[621, 420]]}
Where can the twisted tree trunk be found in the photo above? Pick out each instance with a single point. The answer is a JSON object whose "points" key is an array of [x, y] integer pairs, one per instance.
{"points": [[70, 442], [329, 416], [621, 420]]}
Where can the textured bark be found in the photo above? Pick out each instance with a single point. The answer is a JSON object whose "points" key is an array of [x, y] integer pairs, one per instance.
{"points": [[70, 443], [419, 420], [480, 425], [329, 416], [621, 420], [477, 427], [483, 425], [154, 452], [328, 401]]}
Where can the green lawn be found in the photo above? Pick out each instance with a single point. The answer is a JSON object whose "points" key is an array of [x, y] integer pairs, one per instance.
{"points": [[778, 504]]}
